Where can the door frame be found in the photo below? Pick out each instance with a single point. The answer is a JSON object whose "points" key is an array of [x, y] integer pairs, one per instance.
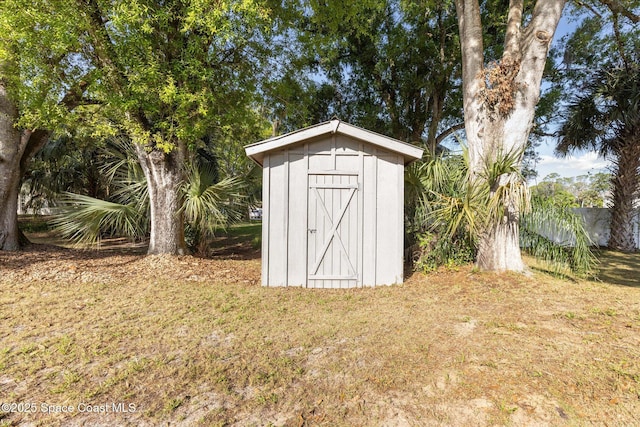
{"points": [[355, 196]]}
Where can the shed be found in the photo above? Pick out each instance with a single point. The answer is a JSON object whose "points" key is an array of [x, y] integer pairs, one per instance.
{"points": [[333, 206]]}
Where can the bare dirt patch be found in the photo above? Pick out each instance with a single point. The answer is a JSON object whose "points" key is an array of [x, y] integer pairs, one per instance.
{"points": [[193, 341]]}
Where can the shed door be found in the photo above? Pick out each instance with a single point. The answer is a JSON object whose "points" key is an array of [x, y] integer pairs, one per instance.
{"points": [[333, 230]]}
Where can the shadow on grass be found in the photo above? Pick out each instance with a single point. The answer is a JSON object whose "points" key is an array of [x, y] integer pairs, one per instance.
{"points": [[37, 253], [42, 238], [243, 241], [619, 268], [613, 267], [240, 241]]}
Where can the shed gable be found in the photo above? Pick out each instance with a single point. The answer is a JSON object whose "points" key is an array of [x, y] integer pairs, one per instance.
{"points": [[334, 127]]}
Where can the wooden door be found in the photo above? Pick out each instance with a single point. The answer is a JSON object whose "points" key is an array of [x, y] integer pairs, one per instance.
{"points": [[333, 221]]}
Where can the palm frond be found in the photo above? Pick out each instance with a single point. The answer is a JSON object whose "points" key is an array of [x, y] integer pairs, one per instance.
{"points": [[120, 162], [85, 220], [608, 104], [570, 246], [446, 211], [583, 126], [209, 204]]}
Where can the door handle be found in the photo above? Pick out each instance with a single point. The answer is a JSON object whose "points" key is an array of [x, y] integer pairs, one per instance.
{"points": [[312, 230]]}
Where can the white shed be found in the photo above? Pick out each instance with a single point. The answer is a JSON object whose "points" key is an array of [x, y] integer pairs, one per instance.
{"points": [[332, 206]]}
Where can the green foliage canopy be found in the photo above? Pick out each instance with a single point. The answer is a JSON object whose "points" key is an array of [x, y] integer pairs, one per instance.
{"points": [[591, 190], [386, 65], [162, 72]]}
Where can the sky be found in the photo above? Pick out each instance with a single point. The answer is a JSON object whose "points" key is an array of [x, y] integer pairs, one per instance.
{"points": [[570, 166]]}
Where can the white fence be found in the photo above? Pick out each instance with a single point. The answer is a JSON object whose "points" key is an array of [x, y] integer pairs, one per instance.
{"points": [[597, 221]]}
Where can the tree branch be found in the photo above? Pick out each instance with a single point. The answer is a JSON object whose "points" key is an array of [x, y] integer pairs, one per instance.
{"points": [[102, 45], [589, 8], [537, 132], [619, 42], [512, 37], [75, 95], [34, 140], [448, 132], [470, 27], [546, 15], [618, 9], [105, 55]]}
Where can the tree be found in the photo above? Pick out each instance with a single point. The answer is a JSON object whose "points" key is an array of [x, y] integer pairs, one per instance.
{"points": [[606, 117], [385, 65], [21, 140], [554, 188], [67, 163], [11, 153], [452, 209], [499, 101], [208, 202], [584, 191], [601, 63], [163, 73]]}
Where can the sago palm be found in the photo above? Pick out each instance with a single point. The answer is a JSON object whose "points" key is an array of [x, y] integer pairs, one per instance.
{"points": [[441, 212], [606, 118]]}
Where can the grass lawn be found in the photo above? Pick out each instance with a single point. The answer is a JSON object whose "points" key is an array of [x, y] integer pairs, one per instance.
{"points": [[122, 339]]}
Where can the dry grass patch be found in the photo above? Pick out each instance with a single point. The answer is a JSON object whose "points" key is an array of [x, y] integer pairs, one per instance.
{"points": [[189, 341]]}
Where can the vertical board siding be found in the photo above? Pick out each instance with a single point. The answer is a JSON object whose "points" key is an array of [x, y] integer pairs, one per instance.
{"points": [[277, 185], [369, 221], [304, 180], [334, 268], [285, 217], [313, 229], [399, 254], [266, 226], [297, 246], [346, 145], [352, 239], [387, 221], [360, 217]]}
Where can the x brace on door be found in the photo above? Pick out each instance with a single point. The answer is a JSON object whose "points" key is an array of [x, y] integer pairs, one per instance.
{"points": [[333, 234]]}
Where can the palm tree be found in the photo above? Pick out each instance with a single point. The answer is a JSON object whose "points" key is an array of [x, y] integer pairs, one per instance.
{"points": [[606, 118], [207, 202]]}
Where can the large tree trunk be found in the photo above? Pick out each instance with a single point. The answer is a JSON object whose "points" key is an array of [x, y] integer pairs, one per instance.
{"points": [[625, 191], [164, 174], [10, 155], [499, 247], [499, 106], [17, 148], [9, 180], [499, 241]]}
